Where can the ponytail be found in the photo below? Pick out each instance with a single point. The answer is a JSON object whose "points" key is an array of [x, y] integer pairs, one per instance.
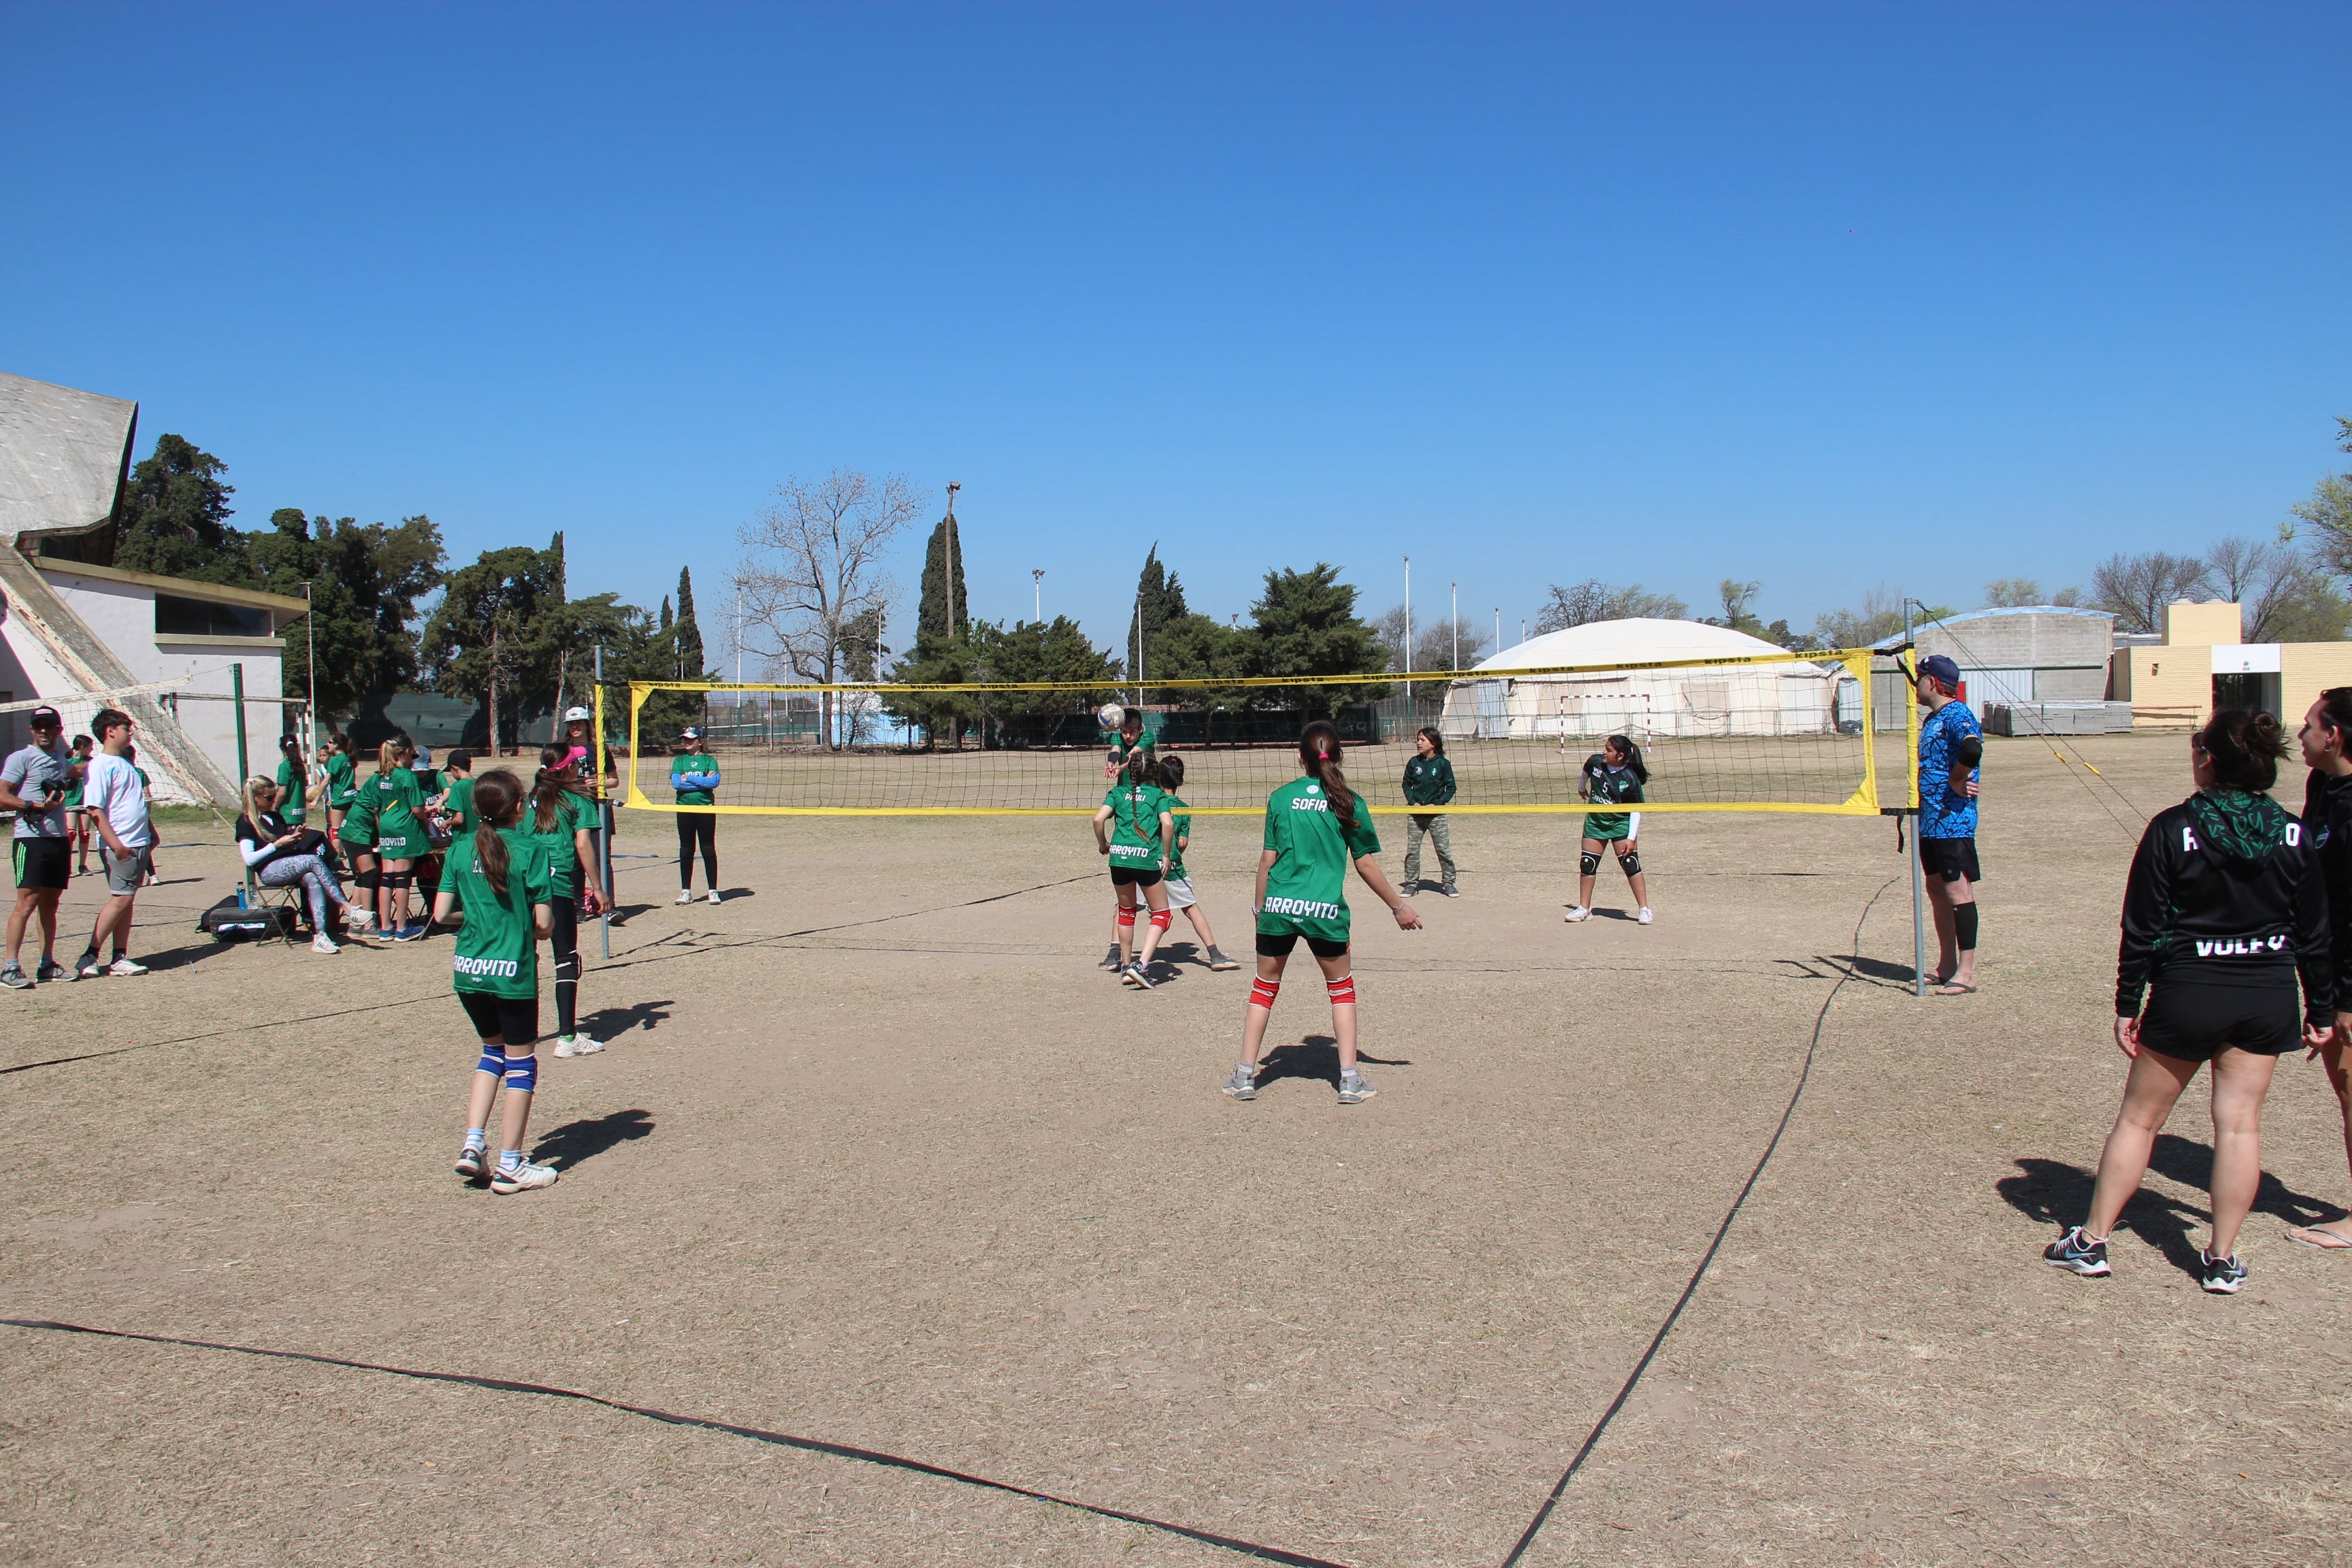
{"points": [[554, 781], [1624, 747], [2244, 748], [1318, 751], [497, 803]]}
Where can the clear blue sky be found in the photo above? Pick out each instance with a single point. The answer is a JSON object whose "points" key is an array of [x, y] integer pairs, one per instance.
{"points": [[1826, 296]]}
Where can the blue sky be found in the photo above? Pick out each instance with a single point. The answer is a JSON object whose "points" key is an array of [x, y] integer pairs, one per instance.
{"points": [[1825, 296]]}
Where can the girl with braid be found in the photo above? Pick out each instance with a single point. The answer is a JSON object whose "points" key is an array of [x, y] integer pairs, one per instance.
{"points": [[1315, 829], [1140, 844], [560, 818]]}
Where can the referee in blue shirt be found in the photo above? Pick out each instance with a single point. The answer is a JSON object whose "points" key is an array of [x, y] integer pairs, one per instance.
{"points": [[1951, 745]]}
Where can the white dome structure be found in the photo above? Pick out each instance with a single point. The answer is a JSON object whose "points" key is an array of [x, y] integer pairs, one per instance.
{"points": [[1796, 698]]}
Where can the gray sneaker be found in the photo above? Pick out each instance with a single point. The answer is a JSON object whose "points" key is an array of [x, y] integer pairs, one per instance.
{"points": [[13, 976], [1450, 891], [1133, 975], [1111, 959], [51, 969], [1243, 1085], [1355, 1088], [1217, 960]]}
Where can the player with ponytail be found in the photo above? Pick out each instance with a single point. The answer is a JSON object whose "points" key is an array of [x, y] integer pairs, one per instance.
{"points": [[1316, 828], [1141, 842]]}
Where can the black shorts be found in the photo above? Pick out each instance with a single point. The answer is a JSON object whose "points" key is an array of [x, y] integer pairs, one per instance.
{"points": [[513, 1020], [1281, 946], [1125, 876], [44, 862], [1950, 858], [2190, 1020]]}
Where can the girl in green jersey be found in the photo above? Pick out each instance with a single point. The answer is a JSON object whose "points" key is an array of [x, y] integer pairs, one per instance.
{"points": [[561, 819], [1614, 774], [1179, 882], [1141, 842], [338, 780], [399, 835], [293, 781], [1315, 829], [500, 889], [359, 844]]}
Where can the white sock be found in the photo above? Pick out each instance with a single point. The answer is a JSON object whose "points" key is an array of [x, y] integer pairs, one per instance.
{"points": [[509, 1158], [476, 1138]]}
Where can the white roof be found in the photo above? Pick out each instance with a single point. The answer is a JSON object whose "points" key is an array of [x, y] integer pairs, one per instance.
{"points": [[62, 454], [1625, 642]]}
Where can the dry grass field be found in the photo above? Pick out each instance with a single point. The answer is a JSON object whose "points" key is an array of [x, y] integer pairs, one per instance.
{"points": [[877, 1158]]}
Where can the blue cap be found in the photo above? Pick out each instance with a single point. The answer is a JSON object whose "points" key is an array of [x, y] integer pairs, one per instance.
{"points": [[1941, 667]]}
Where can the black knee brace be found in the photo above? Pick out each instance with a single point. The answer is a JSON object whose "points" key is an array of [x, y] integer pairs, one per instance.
{"points": [[1632, 860], [1964, 926], [370, 880], [1589, 863], [396, 880]]}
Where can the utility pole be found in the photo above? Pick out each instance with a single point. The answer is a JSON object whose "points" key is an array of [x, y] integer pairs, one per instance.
{"points": [[310, 632], [1457, 623], [1037, 588], [604, 801], [1918, 880], [1408, 632], [1498, 628], [953, 487], [1138, 648]]}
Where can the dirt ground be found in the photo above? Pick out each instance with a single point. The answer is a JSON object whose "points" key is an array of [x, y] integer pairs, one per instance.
{"points": [[877, 1158]]}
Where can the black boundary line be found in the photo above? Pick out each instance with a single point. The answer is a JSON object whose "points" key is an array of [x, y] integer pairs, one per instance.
{"points": [[701, 1423], [624, 963], [1593, 1439]]}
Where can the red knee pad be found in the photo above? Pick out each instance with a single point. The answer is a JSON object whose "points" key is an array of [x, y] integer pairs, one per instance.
{"points": [[1127, 914], [1160, 918], [1343, 992], [1263, 991]]}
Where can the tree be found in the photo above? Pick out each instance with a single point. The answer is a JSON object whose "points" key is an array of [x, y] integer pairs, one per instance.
{"points": [[2136, 588], [2329, 511], [501, 630], [1737, 596], [944, 595], [2280, 595], [1433, 642], [1158, 601], [1055, 651], [2011, 592], [810, 579], [365, 582], [175, 515], [688, 631], [1306, 623], [1593, 600], [1878, 620]]}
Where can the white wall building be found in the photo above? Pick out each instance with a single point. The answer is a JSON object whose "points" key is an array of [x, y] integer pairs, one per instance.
{"points": [[1798, 698]]}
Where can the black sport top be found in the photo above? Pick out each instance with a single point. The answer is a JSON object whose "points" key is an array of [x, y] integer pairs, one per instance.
{"points": [[2328, 828], [2225, 886]]}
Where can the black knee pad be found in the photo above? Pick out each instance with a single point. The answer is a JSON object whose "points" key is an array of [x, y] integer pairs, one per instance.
{"points": [[1589, 863], [370, 879], [1632, 860], [396, 880]]}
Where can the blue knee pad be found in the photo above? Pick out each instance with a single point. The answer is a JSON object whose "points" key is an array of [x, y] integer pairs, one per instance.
{"points": [[494, 1060], [522, 1073]]}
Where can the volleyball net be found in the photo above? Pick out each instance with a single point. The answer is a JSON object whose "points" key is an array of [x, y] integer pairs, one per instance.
{"points": [[1764, 733]]}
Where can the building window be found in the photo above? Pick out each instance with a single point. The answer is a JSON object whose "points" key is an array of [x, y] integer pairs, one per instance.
{"points": [[177, 618]]}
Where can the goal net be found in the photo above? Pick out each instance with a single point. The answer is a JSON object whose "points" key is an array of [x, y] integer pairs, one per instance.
{"points": [[1781, 732]]}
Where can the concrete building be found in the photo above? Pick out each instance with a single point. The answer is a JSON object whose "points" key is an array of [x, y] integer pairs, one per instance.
{"points": [[2202, 664], [2034, 669], [78, 633]]}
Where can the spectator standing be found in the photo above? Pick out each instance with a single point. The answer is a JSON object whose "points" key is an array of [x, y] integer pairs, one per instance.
{"points": [[35, 783], [117, 803], [1428, 781], [293, 781], [77, 820], [1951, 743], [695, 776]]}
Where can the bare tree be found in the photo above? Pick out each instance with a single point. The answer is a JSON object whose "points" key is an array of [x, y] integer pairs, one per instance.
{"points": [[813, 590], [2136, 588], [2012, 593], [1593, 600]]}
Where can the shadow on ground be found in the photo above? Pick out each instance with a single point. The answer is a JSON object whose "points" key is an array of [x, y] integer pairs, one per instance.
{"points": [[2059, 1194], [575, 1141]]}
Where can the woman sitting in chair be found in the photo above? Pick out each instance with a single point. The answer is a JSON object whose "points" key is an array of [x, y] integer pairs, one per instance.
{"points": [[281, 857]]}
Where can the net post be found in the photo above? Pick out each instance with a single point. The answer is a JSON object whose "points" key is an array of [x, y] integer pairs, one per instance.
{"points": [[1905, 660], [603, 808]]}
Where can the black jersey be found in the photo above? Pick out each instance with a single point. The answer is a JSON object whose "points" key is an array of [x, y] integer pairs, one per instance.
{"points": [[2327, 828], [2225, 885]]}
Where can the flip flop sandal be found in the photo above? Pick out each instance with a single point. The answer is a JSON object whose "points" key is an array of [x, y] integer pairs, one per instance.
{"points": [[1948, 989], [2301, 1236]]}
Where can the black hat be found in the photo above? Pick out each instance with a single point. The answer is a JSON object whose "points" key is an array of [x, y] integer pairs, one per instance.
{"points": [[49, 716]]}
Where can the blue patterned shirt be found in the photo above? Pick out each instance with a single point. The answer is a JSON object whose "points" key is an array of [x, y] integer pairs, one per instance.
{"points": [[1943, 815]]}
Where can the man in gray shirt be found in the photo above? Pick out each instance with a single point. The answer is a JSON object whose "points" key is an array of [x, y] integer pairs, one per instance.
{"points": [[33, 784]]}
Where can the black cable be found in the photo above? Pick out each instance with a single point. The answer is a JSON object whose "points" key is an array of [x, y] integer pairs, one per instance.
{"points": [[701, 1423], [1593, 1439]]}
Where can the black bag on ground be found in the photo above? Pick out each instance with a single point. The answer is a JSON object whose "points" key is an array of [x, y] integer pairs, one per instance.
{"points": [[230, 921]]}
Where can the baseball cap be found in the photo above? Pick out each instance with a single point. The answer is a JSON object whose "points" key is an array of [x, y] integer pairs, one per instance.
{"points": [[1941, 667], [48, 716], [691, 733], [571, 715]]}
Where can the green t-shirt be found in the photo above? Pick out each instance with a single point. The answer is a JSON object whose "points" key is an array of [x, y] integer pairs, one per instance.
{"points": [[359, 822], [1176, 808], [73, 789], [1618, 787], [398, 798], [699, 762], [295, 788], [460, 805], [342, 782], [498, 952], [1134, 825], [1306, 888], [572, 813]]}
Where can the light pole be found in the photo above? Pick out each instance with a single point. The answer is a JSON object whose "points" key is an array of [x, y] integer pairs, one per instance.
{"points": [[1037, 586], [1408, 633], [310, 636], [1457, 623], [949, 552], [1498, 628]]}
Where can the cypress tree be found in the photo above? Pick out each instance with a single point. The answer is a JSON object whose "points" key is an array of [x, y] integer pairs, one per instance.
{"points": [[690, 634]]}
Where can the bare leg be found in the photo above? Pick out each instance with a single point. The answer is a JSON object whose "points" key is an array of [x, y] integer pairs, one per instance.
{"points": [[1639, 881], [1200, 925], [1584, 882], [113, 922], [2154, 1083], [28, 900], [2241, 1079], [1156, 896], [485, 1088], [1343, 1015], [1961, 893], [2338, 1063], [1253, 1020], [1947, 936], [518, 1107], [1124, 925]]}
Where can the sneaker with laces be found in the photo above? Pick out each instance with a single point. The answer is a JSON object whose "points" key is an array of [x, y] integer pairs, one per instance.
{"points": [[89, 968], [685, 896], [1410, 889], [322, 942], [1217, 960], [1643, 917], [1355, 1088], [2077, 1252], [1133, 976], [577, 1045], [1450, 891], [2220, 1276], [473, 1164], [714, 895], [1243, 1085], [123, 966], [357, 921], [51, 969], [1578, 912], [1112, 961], [14, 978], [522, 1177]]}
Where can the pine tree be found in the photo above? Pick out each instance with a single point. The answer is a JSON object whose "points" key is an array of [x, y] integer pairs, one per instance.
{"points": [[690, 634], [1159, 600], [931, 610], [667, 618]]}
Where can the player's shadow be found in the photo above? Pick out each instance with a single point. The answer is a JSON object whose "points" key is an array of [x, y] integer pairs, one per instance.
{"points": [[2059, 1194], [1877, 968], [1316, 1056], [2191, 1164], [568, 1145], [1600, 914], [606, 1022]]}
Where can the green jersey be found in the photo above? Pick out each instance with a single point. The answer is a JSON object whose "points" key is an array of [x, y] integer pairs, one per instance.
{"points": [[358, 822], [572, 813], [73, 789], [497, 950], [1617, 786], [699, 762], [293, 790], [1306, 887], [1135, 811], [342, 782], [398, 798], [460, 805], [1183, 816]]}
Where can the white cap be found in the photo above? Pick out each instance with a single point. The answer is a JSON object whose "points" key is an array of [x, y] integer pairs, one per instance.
{"points": [[579, 715]]}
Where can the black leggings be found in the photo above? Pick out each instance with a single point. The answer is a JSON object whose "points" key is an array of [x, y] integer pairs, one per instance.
{"points": [[695, 827], [563, 942]]}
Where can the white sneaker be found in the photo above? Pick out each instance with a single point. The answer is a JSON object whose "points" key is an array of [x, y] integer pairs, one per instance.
{"points": [[122, 966], [322, 942], [359, 922], [1578, 912], [686, 894], [714, 895], [1643, 918], [522, 1178], [577, 1045]]}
